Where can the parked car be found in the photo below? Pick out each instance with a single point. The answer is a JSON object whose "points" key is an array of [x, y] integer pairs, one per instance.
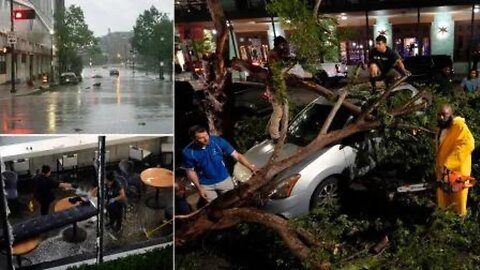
{"points": [[114, 72], [424, 68], [68, 78], [329, 74], [321, 174]]}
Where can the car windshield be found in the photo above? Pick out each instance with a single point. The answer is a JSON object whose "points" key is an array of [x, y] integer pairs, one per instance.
{"points": [[308, 123]]}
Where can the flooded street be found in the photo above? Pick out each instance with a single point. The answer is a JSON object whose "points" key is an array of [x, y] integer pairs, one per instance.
{"points": [[133, 103]]}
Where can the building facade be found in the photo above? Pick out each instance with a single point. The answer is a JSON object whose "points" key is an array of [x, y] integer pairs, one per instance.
{"points": [[424, 28], [34, 49]]}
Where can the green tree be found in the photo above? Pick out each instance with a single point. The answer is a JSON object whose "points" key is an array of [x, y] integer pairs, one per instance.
{"points": [[73, 38], [153, 39]]}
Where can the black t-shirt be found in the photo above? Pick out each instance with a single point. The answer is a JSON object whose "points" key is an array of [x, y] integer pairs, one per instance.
{"points": [[385, 60], [44, 187], [114, 190]]}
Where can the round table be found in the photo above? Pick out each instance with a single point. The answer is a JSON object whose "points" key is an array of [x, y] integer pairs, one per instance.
{"points": [[72, 234], [24, 247], [157, 178]]}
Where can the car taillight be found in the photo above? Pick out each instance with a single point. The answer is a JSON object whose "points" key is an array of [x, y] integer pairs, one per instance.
{"points": [[284, 189]]}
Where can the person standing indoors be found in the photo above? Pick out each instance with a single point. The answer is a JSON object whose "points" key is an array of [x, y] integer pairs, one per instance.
{"points": [[203, 160], [382, 61], [455, 144], [115, 202], [44, 188]]}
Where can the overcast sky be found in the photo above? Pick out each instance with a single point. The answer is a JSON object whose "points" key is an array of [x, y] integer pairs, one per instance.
{"points": [[118, 15]]}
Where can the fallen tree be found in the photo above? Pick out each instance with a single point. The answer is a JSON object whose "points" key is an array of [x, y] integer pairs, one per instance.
{"points": [[243, 204]]}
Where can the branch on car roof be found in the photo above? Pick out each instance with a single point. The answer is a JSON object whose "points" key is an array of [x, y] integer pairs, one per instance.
{"points": [[333, 112], [328, 94], [320, 142], [375, 104]]}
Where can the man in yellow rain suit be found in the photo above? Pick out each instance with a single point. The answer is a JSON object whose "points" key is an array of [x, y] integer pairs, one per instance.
{"points": [[455, 144]]}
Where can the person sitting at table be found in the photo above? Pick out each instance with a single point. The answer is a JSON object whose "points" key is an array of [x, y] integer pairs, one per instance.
{"points": [[115, 202], [44, 187]]}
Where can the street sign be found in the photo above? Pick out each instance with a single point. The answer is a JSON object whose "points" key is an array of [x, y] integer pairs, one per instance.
{"points": [[12, 38]]}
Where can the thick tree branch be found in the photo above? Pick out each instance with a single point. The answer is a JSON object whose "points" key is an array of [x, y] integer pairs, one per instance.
{"points": [[333, 112], [318, 143], [289, 235], [330, 95], [370, 108], [220, 23]]}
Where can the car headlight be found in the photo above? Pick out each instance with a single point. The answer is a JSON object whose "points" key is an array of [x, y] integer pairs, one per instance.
{"points": [[284, 189]]}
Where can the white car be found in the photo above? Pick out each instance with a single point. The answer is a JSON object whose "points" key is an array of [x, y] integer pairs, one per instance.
{"points": [[320, 174], [328, 74]]}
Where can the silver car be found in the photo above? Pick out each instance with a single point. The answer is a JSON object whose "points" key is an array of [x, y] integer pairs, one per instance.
{"points": [[319, 175]]}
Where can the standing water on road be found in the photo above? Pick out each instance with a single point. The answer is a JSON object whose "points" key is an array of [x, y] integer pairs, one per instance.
{"points": [[100, 103]]}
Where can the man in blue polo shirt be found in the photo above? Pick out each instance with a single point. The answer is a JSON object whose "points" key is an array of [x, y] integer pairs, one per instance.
{"points": [[204, 164]]}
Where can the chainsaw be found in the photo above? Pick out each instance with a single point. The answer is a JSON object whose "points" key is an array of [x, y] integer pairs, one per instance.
{"points": [[451, 182]]}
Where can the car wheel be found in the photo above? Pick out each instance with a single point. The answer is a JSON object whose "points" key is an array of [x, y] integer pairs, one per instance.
{"points": [[327, 193]]}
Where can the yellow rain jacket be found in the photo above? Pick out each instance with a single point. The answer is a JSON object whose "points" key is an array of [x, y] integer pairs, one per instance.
{"points": [[455, 153]]}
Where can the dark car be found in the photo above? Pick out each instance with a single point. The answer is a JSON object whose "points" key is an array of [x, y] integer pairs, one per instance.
{"points": [[114, 72], [425, 68], [68, 78]]}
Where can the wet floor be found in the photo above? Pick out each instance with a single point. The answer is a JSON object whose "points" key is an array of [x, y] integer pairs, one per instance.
{"points": [[130, 103], [140, 223]]}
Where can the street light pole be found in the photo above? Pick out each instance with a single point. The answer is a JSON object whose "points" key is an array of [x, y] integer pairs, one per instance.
{"points": [[50, 78], [13, 60], [161, 62], [161, 71]]}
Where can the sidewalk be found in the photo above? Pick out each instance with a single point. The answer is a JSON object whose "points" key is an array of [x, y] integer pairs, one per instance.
{"points": [[22, 89]]}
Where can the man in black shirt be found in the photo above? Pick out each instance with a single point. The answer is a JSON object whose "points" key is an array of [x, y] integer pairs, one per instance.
{"points": [[382, 60], [44, 188], [115, 202]]}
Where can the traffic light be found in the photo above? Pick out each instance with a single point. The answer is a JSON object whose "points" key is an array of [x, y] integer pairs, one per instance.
{"points": [[24, 14]]}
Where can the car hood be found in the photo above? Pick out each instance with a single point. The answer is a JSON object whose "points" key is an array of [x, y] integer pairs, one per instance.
{"points": [[259, 155]]}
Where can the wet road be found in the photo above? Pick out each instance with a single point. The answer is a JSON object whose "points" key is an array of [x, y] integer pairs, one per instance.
{"points": [[136, 104]]}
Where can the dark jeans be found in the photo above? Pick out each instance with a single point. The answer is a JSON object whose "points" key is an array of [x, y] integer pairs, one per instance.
{"points": [[44, 206], [115, 214]]}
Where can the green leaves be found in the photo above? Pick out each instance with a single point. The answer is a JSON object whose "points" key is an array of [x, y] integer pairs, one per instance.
{"points": [[315, 37], [153, 38], [73, 37]]}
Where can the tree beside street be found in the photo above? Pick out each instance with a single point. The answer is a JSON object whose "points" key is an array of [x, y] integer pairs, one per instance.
{"points": [[153, 39], [73, 38]]}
